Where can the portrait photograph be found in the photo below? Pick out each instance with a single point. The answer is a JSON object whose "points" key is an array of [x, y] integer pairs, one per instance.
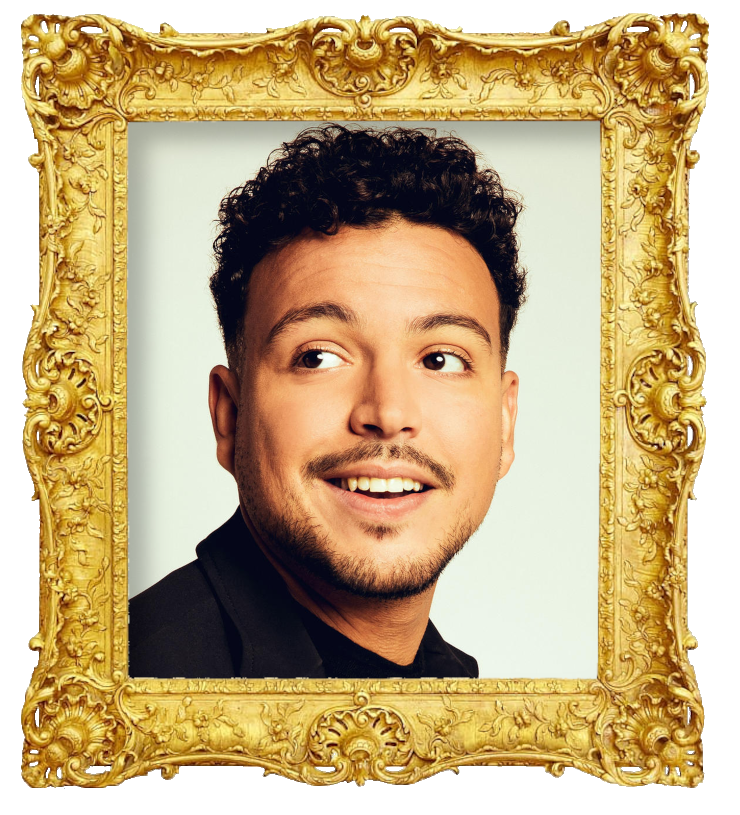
{"points": [[371, 416], [532, 563]]}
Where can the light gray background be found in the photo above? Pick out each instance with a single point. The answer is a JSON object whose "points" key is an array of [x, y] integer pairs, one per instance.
{"points": [[522, 596]]}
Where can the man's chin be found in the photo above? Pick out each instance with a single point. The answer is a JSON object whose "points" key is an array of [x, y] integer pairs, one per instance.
{"points": [[365, 577], [399, 568], [379, 575], [382, 531]]}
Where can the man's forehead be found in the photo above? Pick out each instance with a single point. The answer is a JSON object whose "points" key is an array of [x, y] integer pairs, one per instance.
{"points": [[393, 266]]}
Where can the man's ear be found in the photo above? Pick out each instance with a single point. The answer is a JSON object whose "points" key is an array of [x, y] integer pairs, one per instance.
{"points": [[223, 402], [509, 397]]}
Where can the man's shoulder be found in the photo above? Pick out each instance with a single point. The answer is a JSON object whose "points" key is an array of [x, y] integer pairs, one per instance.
{"points": [[226, 614], [469, 663], [444, 659], [177, 628], [182, 592]]}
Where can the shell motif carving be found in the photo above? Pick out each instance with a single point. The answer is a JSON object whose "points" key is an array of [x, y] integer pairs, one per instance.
{"points": [[663, 401], [661, 736], [653, 66], [66, 735], [68, 410], [366, 58], [360, 742], [67, 64]]}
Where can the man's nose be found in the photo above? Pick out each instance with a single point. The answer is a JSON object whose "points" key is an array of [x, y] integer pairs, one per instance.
{"points": [[387, 405]]}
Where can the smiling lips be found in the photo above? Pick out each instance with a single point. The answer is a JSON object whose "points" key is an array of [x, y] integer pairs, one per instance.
{"points": [[379, 487], [395, 506]]}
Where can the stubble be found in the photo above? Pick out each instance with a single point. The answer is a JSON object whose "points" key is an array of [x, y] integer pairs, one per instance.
{"points": [[306, 547]]}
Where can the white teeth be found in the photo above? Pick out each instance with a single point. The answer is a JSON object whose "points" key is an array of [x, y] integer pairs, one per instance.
{"points": [[367, 484]]}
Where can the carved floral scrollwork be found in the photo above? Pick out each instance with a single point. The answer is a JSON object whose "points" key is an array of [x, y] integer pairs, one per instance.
{"points": [[68, 65], [648, 296], [66, 407], [442, 72], [363, 59], [283, 733], [200, 77], [535, 76], [74, 313], [283, 72], [197, 727], [445, 740], [664, 401], [360, 742]]}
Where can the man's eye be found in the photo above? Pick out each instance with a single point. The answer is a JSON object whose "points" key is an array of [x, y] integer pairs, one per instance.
{"points": [[448, 363], [318, 359]]}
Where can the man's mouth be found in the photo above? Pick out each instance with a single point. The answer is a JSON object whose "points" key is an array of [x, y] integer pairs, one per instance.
{"points": [[380, 487]]}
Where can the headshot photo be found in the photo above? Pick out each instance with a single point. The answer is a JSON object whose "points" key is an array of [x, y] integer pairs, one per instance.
{"points": [[389, 467]]}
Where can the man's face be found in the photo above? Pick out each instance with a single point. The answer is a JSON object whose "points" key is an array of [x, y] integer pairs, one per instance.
{"points": [[371, 365]]}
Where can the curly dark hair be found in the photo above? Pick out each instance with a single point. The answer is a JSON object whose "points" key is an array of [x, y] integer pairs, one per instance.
{"points": [[332, 176]]}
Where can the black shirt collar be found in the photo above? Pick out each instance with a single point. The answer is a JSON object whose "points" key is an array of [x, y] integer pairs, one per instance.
{"points": [[275, 639]]}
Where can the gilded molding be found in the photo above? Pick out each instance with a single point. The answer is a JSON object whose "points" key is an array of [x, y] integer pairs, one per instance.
{"points": [[644, 79]]}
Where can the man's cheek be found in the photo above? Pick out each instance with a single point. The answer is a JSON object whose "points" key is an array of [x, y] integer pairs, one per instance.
{"points": [[311, 416], [470, 434]]}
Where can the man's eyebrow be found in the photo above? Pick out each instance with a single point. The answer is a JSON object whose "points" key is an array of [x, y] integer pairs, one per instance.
{"points": [[432, 321], [330, 310]]}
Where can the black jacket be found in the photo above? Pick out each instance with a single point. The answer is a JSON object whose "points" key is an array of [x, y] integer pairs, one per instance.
{"points": [[229, 614]]}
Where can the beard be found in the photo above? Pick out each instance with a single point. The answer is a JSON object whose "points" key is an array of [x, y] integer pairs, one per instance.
{"points": [[303, 544]]}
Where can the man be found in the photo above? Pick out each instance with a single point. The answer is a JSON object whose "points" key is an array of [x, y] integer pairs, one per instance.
{"points": [[367, 283]]}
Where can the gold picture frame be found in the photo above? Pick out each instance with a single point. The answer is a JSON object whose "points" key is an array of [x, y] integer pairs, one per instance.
{"points": [[86, 722]]}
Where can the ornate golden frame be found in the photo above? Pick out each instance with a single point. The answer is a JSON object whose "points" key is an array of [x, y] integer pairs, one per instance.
{"points": [[85, 721]]}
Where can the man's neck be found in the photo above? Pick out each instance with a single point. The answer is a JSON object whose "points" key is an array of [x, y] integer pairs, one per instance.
{"points": [[391, 628]]}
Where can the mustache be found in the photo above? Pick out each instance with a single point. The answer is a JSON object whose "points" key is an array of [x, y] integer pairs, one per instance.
{"points": [[318, 466]]}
